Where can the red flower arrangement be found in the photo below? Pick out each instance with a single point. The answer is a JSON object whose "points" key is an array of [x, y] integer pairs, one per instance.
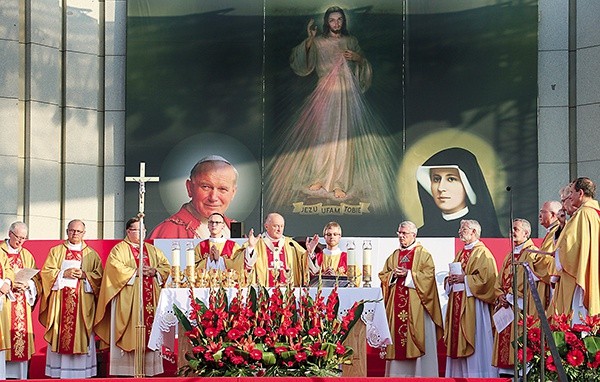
{"points": [[262, 333], [578, 347]]}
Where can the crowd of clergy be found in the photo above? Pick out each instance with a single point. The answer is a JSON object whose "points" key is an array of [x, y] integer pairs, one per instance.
{"points": [[80, 300]]}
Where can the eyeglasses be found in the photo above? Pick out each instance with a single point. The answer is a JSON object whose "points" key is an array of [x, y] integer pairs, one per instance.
{"points": [[404, 233], [75, 231], [21, 238], [333, 234], [214, 222]]}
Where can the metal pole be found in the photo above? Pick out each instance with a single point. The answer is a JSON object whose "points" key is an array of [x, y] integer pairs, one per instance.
{"points": [[562, 377]]}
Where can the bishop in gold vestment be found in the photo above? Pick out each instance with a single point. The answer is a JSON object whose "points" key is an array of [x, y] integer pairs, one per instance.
{"points": [[274, 258]]}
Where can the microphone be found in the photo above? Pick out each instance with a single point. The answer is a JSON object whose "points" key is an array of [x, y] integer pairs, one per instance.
{"points": [[508, 188]]}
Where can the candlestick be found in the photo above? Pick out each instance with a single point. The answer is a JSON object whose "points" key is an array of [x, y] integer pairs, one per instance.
{"points": [[176, 276], [351, 275]]}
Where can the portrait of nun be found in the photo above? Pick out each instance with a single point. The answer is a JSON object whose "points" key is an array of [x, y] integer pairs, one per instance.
{"points": [[452, 188]]}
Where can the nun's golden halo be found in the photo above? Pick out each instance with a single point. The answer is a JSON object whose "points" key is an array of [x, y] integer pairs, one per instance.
{"points": [[416, 154]]}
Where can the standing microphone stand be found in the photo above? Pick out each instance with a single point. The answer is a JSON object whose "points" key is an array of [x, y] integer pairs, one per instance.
{"points": [[513, 267]]}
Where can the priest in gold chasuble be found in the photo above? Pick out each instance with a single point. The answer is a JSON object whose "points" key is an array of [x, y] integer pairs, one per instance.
{"points": [[71, 278], [16, 314], [118, 304], [413, 308], [468, 323]]}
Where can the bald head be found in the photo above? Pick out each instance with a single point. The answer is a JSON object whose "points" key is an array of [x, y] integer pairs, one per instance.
{"points": [[274, 225], [549, 213]]}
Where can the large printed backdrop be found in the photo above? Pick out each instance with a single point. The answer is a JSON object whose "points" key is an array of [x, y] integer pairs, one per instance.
{"points": [[207, 77]]}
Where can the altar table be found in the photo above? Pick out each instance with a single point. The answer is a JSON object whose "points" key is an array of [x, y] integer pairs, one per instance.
{"points": [[165, 326]]}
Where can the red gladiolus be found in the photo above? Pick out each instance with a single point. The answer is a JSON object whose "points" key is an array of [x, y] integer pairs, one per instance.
{"points": [[596, 362], [230, 351], [340, 349], [534, 335], [578, 328], [291, 332], [320, 353], [529, 355], [198, 349], [314, 331], [571, 339], [550, 363], [300, 356], [280, 349], [256, 354], [575, 357], [211, 332], [259, 332], [234, 334]]}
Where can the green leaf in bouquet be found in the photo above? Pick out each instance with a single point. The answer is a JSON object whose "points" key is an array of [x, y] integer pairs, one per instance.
{"points": [[194, 363], [288, 354], [592, 344], [268, 358], [218, 355], [183, 320], [253, 298], [561, 344]]}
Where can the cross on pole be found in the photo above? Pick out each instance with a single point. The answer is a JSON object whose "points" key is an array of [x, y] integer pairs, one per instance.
{"points": [[140, 340], [142, 179]]}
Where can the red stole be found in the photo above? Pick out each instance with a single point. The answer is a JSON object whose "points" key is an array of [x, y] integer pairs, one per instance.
{"points": [[457, 302], [402, 306], [69, 310], [19, 337], [504, 337], [272, 256], [147, 294], [226, 252]]}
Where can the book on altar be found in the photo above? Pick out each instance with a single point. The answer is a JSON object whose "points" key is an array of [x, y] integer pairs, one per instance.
{"points": [[329, 281], [25, 274]]}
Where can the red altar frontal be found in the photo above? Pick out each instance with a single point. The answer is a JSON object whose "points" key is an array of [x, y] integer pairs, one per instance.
{"points": [[375, 365]]}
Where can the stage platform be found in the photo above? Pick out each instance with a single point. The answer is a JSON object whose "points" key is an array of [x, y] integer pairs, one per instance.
{"points": [[295, 379]]}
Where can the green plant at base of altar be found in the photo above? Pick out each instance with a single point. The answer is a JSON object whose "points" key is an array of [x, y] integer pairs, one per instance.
{"points": [[267, 334], [578, 347]]}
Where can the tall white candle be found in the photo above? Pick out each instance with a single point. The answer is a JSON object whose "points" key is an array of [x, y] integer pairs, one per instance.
{"points": [[351, 253], [367, 257], [367, 252], [189, 255], [175, 254], [175, 258]]}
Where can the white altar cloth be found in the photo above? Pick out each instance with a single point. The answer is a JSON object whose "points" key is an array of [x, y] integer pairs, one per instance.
{"points": [[165, 323]]}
